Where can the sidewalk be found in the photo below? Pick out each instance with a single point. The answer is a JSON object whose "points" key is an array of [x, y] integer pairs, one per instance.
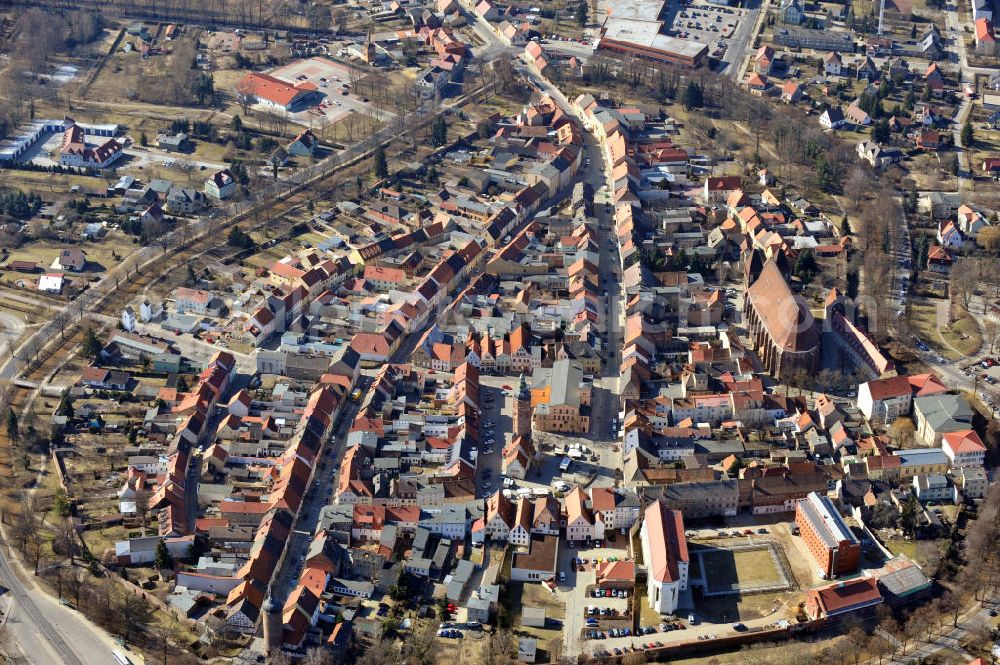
{"points": [[949, 640]]}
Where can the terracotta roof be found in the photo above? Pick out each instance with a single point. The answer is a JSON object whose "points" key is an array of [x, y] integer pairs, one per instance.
{"points": [[786, 318], [274, 90], [615, 571], [896, 386], [840, 596], [667, 545], [723, 183], [963, 441]]}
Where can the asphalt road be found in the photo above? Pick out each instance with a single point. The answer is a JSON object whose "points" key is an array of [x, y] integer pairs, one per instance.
{"points": [[949, 640], [967, 77], [736, 53], [318, 495], [46, 632], [597, 171]]}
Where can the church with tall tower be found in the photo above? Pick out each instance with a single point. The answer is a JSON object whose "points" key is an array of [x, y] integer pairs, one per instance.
{"points": [[522, 409]]}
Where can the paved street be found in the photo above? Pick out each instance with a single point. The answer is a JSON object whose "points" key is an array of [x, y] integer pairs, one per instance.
{"points": [[949, 640], [597, 172], [46, 632], [737, 54], [967, 76], [318, 495]]}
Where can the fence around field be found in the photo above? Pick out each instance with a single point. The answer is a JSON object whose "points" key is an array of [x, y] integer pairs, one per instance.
{"points": [[787, 579]]}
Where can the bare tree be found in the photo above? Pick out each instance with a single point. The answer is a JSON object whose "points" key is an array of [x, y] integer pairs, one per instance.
{"points": [[318, 656], [133, 610], [142, 497], [243, 93], [65, 540], [962, 284]]}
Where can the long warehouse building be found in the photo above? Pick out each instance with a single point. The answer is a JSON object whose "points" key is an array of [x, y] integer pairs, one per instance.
{"points": [[634, 27], [834, 546]]}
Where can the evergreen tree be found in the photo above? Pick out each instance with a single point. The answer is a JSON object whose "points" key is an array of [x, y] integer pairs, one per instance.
{"points": [[967, 136], [381, 165], [805, 267], [91, 345], [237, 238], [65, 405], [827, 176], [439, 132], [852, 283], [203, 88], [163, 559], [13, 429], [908, 516], [954, 167], [880, 131], [582, 12], [921, 255], [694, 96], [61, 505], [870, 104]]}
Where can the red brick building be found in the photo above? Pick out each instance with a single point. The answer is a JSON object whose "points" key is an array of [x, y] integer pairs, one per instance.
{"points": [[834, 547]]}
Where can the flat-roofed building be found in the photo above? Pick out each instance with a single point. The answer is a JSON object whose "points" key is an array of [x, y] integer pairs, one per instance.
{"points": [[643, 39], [834, 546], [635, 28]]}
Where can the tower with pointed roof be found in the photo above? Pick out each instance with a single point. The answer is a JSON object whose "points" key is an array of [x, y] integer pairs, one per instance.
{"points": [[369, 52], [272, 625], [522, 409]]}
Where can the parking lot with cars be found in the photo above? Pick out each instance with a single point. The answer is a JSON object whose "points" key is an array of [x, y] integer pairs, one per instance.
{"points": [[494, 423], [709, 24]]}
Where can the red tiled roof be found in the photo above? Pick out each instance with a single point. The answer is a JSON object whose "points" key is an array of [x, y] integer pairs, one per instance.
{"points": [[667, 545], [842, 595], [273, 90]]}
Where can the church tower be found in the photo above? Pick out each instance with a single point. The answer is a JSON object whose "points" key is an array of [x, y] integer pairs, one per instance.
{"points": [[369, 55], [522, 409], [273, 628]]}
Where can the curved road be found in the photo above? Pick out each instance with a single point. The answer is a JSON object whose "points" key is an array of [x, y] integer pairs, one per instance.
{"points": [[13, 328]]}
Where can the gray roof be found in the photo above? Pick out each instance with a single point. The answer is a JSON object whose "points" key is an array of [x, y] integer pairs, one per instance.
{"points": [[481, 604], [463, 571], [564, 378], [905, 581], [826, 520], [944, 413], [921, 456], [692, 491]]}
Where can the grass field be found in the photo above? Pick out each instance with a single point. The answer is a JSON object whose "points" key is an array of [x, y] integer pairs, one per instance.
{"points": [[954, 341], [727, 568]]}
